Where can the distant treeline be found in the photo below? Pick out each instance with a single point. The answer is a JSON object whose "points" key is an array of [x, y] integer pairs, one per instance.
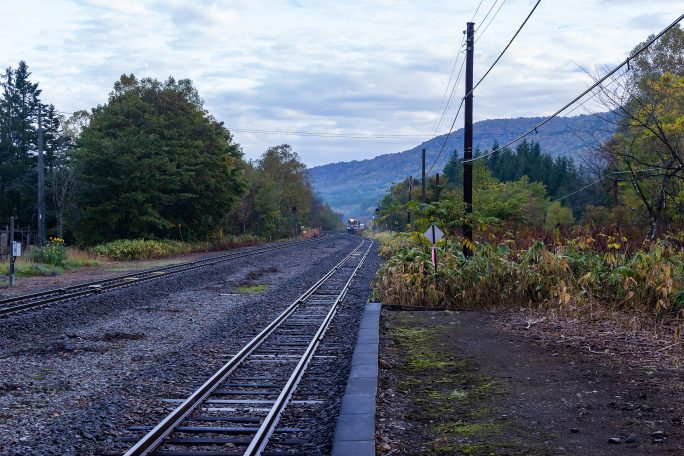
{"points": [[149, 163]]}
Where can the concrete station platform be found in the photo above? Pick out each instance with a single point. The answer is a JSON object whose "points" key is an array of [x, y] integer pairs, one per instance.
{"points": [[355, 432]]}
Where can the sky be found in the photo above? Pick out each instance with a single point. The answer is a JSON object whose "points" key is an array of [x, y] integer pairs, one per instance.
{"points": [[364, 68]]}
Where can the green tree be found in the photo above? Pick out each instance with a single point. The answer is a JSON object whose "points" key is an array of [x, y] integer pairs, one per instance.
{"points": [[153, 163], [453, 170], [257, 211], [292, 186], [19, 106]]}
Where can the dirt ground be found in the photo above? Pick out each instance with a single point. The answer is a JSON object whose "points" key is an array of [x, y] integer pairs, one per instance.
{"points": [[511, 383]]}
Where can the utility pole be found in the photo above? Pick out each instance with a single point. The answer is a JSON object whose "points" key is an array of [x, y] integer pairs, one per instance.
{"points": [[41, 180], [437, 187], [410, 187], [422, 190], [468, 144]]}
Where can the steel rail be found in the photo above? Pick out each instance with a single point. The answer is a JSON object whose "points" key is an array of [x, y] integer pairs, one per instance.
{"points": [[98, 286], [260, 439], [156, 435]]}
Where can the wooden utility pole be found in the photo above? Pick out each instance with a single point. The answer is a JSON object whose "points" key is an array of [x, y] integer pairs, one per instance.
{"points": [[437, 187], [468, 144], [41, 181]]}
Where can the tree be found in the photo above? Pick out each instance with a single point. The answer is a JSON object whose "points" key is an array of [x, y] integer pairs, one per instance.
{"points": [[152, 163], [19, 106], [257, 211], [292, 186], [323, 216], [453, 170], [647, 148]]}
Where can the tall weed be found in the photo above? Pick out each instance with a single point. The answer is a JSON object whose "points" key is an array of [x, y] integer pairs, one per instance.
{"points": [[573, 274]]}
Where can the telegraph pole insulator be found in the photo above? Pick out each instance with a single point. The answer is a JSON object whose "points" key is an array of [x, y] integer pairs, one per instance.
{"points": [[468, 144]]}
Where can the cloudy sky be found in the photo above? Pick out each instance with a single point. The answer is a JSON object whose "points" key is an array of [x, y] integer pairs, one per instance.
{"points": [[374, 67]]}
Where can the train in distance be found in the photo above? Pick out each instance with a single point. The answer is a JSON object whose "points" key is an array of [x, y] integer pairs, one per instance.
{"points": [[355, 226]]}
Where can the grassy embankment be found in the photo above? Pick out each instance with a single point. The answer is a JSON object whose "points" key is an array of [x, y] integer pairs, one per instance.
{"points": [[55, 258]]}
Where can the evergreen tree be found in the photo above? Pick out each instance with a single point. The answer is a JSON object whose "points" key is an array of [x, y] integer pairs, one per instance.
{"points": [[19, 103], [453, 170]]}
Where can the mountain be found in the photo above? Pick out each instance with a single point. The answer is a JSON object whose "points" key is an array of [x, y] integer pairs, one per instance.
{"points": [[355, 187]]}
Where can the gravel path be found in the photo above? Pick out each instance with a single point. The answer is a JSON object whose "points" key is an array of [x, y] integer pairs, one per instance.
{"points": [[74, 376]]}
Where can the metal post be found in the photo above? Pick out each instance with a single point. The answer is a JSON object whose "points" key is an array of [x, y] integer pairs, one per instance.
{"points": [[434, 249], [422, 190], [41, 181], [468, 144], [11, 251]]}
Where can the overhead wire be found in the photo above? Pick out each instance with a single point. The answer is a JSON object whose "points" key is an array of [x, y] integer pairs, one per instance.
{"points": [[439, 154], [601, 179], [446, 138], [476, 10], [489, 23], [491, 67], [581, 95], [482, 21], [451, 97], [446, 90], [324, 134]]}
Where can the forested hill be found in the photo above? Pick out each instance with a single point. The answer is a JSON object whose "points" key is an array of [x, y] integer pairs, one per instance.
{"points": [[355, 187]]}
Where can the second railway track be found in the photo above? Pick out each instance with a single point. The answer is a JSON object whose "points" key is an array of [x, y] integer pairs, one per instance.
{"points": [[17, 304], [237, 410]]}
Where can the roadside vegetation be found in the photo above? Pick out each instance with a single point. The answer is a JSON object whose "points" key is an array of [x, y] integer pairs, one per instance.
{"points": [[602, 233]]}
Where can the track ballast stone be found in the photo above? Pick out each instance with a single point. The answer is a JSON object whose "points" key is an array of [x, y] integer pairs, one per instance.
{"points": [[74, 376]]}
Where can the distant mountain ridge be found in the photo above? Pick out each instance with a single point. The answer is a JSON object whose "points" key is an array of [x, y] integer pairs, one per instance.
{"points": [[355, 187]]}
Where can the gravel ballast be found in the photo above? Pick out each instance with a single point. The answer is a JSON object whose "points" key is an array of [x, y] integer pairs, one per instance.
{"points": [[74, 376]]}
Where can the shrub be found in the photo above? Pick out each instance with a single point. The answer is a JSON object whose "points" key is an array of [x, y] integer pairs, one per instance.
{"points": [[136, 249], [573, 275], [52, 253]]}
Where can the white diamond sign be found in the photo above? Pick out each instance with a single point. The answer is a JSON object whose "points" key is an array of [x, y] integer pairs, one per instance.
{"points": [[433, 234]]}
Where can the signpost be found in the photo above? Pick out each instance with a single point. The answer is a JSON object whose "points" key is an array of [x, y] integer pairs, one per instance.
{"points": [[434, 234], [12, 252]]}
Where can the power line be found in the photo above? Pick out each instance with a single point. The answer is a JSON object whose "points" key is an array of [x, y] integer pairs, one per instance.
{"points": [[489, 23], [446, 108], [446, 90], [488, 13], [324, 135], [506, 48], [451, 97], [601, 179], [581, 95], [446, 138], [478, 83], [476, 10]]}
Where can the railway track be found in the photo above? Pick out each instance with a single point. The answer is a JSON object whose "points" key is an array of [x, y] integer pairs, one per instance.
{"points": [[237, 410], [26, 302]]}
